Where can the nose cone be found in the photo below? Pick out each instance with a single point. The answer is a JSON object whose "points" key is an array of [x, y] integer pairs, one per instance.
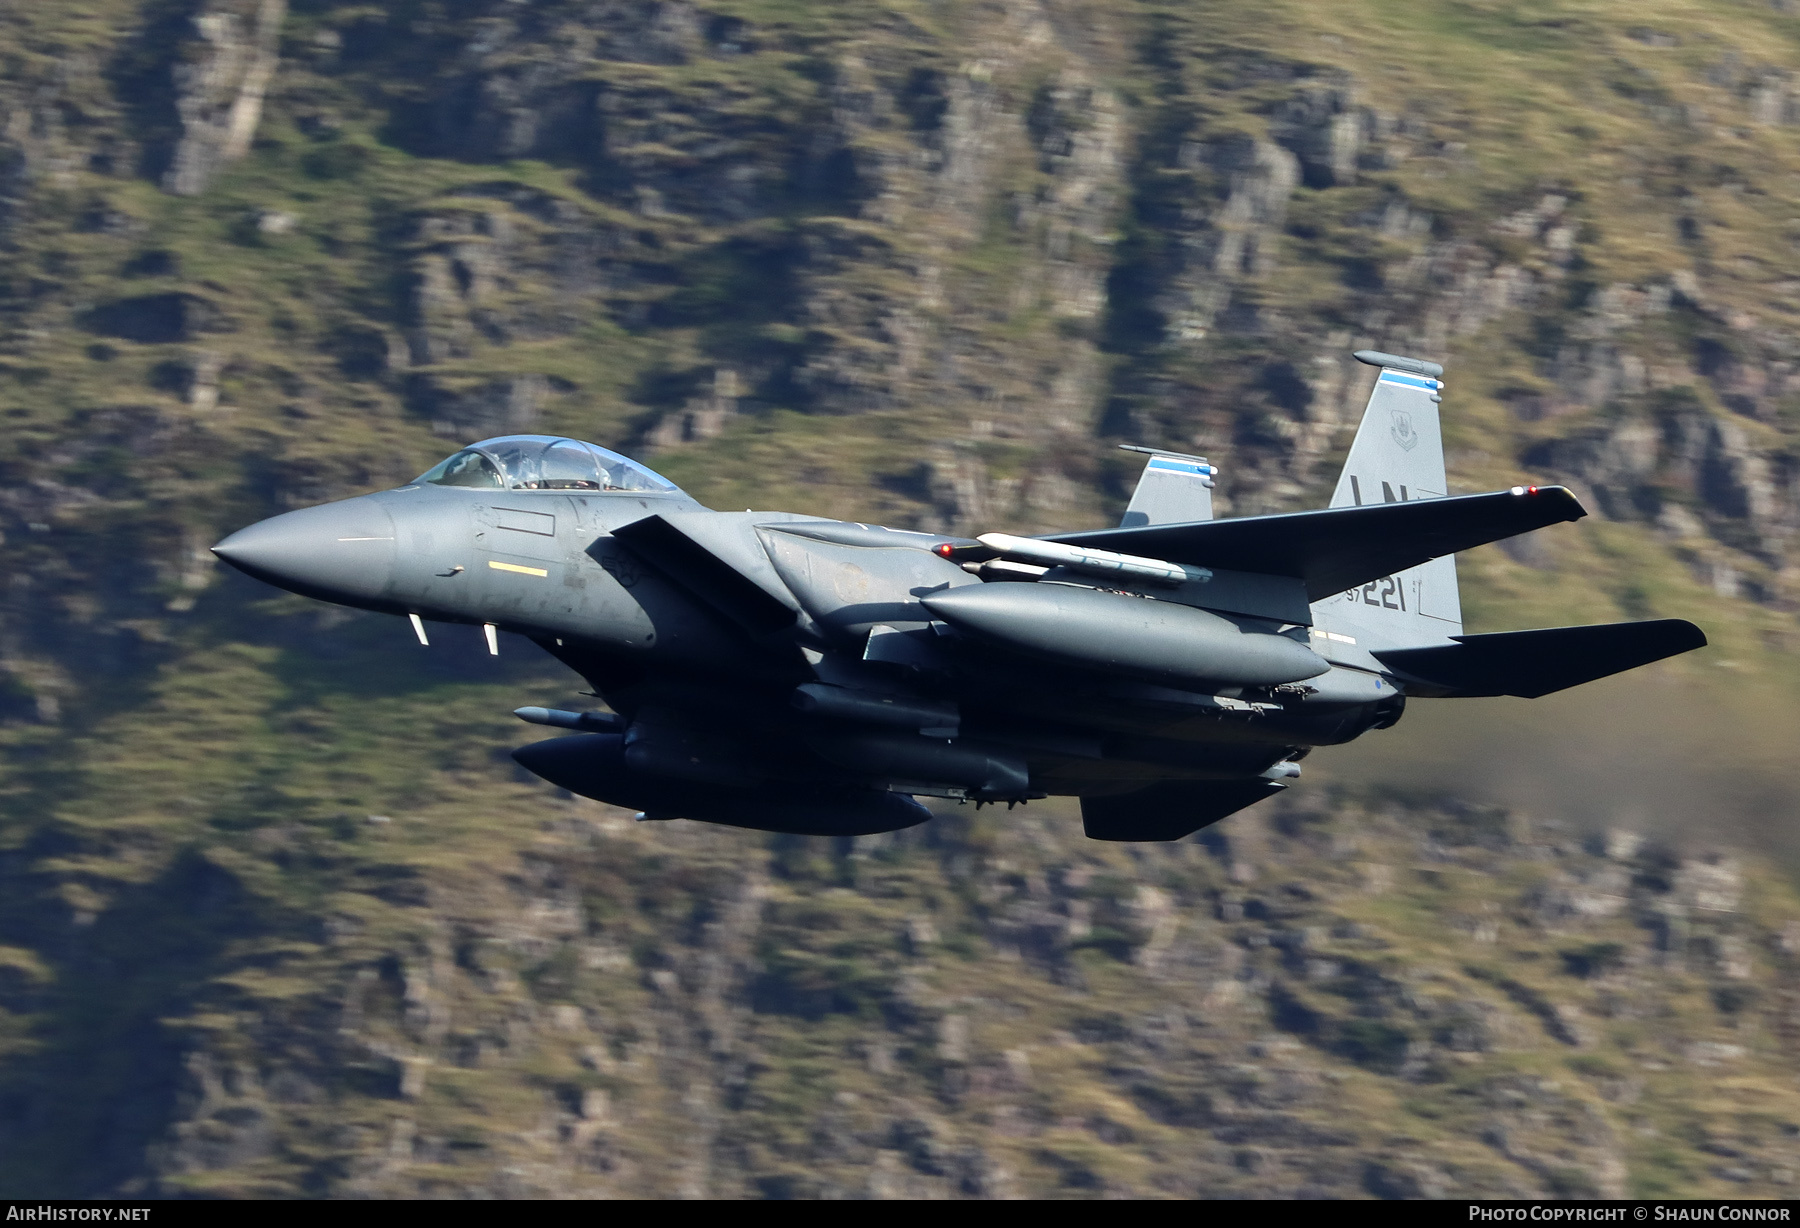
{"points": [[342, 552]]}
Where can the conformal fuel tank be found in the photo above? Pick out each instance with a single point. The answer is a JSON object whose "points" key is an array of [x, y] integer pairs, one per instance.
{"points": [[1153, 639]]}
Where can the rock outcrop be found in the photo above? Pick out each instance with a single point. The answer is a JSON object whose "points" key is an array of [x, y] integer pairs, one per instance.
{"points": [[220, 77]]}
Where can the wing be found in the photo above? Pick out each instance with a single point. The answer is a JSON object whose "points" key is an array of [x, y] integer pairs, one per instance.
{"points": [[1344, 547]]}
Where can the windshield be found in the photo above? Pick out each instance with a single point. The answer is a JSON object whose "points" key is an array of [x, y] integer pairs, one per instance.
{"points": [[544, 462]]}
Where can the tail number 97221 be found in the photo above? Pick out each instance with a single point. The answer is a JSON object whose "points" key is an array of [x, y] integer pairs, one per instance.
{"points": [[1386, 593]]}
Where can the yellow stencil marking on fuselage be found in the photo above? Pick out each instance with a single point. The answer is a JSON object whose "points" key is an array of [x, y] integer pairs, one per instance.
{"points": [[524, 571]]}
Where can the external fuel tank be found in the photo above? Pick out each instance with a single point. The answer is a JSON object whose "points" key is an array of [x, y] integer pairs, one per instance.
{"points": [[1128, 634]]}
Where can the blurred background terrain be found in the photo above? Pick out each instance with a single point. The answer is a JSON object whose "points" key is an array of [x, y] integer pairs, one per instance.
{"points": [[279, 917]]}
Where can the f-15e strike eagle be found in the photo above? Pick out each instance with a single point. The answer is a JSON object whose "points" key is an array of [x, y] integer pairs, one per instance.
{"points": [[797, 674]]}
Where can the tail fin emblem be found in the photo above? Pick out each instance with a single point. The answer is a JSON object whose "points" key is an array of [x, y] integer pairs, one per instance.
{"points": [[1404, 434]]}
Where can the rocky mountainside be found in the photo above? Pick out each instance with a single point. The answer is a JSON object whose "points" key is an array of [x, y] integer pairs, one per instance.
{"points": [[277, 916]]}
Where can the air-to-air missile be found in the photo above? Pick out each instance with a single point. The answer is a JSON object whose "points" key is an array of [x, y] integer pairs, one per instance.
{"points": [[794, 673]]}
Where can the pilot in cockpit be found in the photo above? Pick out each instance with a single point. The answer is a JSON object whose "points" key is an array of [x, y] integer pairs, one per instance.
{"points": [[545, 462]]}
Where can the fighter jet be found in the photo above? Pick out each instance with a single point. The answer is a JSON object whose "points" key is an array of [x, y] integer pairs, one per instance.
{"points": [[800, 674]]}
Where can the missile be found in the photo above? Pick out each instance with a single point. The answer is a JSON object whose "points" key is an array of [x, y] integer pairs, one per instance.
{"points": [[1139, 636], [557, 718], [878, 709], [987, 773], [1001, 569], [1091, 562]]}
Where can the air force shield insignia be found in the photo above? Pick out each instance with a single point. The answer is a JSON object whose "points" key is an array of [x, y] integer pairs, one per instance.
{"points": [[1404, 434]]}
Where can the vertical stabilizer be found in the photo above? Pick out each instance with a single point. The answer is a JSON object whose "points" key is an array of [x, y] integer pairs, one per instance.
{"points": [[1398, 455], [1175, 488]]}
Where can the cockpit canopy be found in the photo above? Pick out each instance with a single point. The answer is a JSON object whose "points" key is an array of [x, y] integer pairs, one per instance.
{"points": [[544, 462]]}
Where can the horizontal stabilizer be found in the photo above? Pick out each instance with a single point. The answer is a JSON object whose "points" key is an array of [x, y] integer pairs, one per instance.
{"points": [[1533, 663], [1171, 809], [1344, 547]]}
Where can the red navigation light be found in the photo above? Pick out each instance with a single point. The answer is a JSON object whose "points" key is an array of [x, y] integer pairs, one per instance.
{"points": [[945, 550], [1531, 490]]}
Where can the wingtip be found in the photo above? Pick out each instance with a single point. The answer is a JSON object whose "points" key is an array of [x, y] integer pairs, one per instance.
{"points": [[1560, 497], [1696, 634], [1560, 494], [1679, 634], [1576, 510]]}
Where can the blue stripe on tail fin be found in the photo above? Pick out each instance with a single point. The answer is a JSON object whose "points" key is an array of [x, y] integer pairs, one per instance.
{"points": [[1174, 488]]}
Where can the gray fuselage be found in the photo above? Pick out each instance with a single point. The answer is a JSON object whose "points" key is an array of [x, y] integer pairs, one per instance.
{"points": [[747, 649]]}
